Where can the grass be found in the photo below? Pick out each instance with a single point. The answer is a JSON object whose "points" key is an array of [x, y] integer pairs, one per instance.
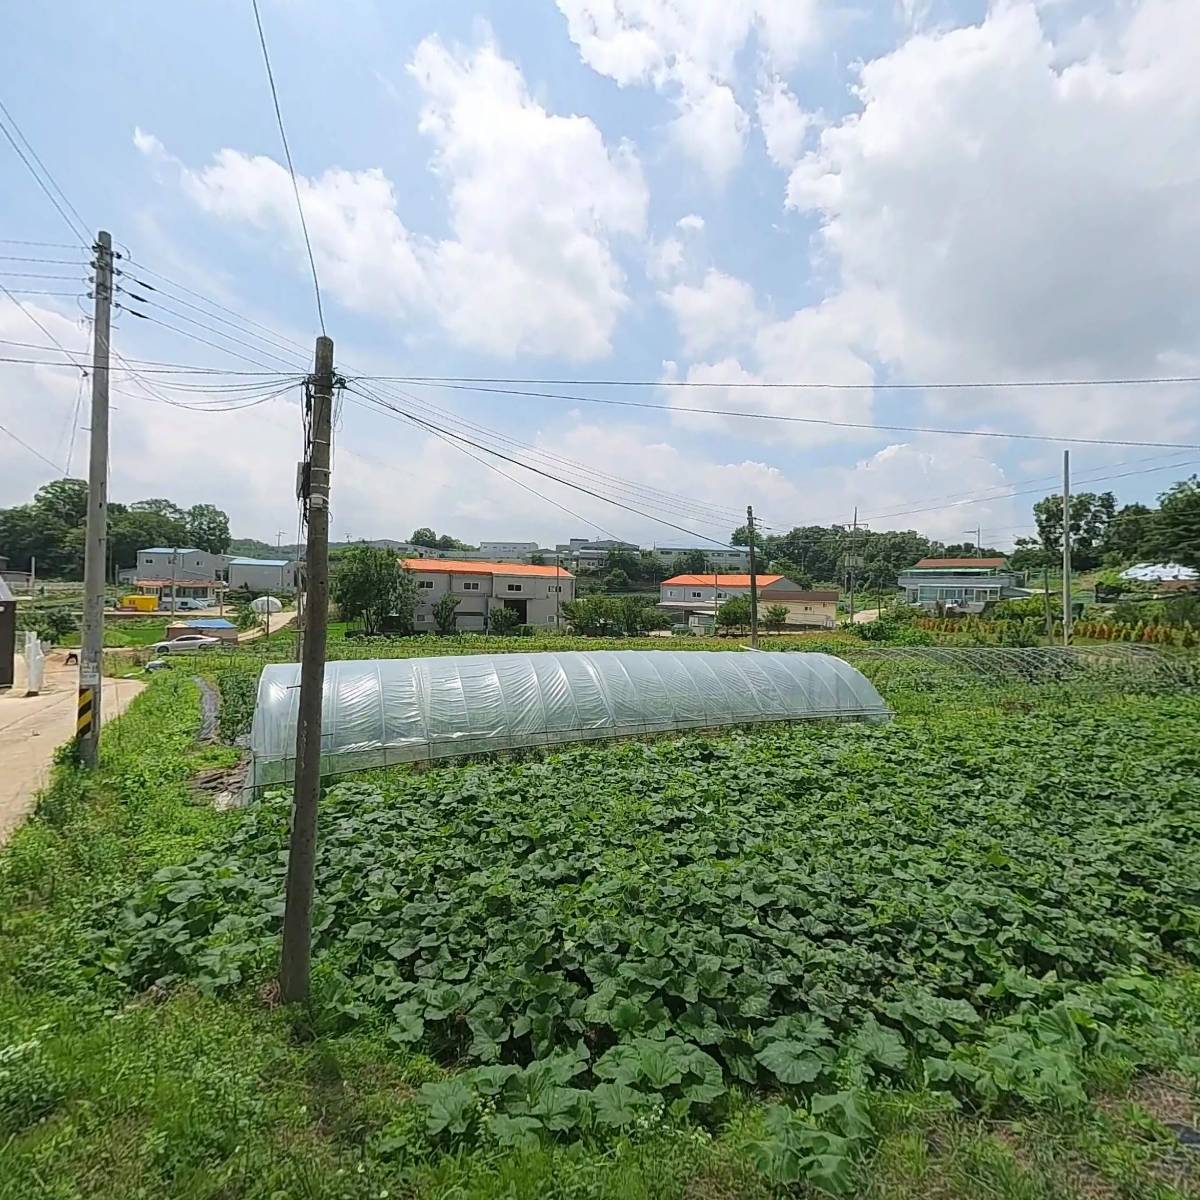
{"points": [[107, 1093], [123, 632]]}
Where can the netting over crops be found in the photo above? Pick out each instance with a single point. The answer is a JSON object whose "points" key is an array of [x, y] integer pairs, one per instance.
{"points": [[382, 711], [984, 676]]}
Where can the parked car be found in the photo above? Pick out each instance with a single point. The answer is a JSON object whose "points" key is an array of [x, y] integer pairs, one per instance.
{"points": [[186, 643], [185, 604]]}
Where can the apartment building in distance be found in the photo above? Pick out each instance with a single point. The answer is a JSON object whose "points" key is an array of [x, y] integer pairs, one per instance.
{"points": [[537, 593]]}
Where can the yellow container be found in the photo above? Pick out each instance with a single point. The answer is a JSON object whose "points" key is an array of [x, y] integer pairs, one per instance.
{"points": [[141, 603]]}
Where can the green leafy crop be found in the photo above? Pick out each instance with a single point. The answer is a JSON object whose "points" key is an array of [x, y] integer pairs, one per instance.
{"points": [[619, 932]]}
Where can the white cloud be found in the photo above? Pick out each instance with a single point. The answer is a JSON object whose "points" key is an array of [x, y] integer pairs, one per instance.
{"points": [[783, 122], [687, 50], [995, 210], [690, 222], [535, 202], [720, 312]]}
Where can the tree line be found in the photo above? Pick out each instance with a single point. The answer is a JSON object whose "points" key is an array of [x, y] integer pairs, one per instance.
{"points": [[1105, 534], [52, 529]]}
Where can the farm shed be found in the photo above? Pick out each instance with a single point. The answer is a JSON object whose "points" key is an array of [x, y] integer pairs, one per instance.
{"points": [[384, 711]]}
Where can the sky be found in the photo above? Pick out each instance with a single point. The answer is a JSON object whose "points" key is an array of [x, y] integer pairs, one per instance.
{"points": [[723, 191]]}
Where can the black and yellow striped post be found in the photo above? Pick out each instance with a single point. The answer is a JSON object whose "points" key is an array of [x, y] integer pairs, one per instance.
{"points": [[84, 713]]}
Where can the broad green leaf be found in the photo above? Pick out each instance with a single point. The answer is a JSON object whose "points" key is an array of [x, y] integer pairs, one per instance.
{"points": [[616, 1104], [792, 1062], [451, 1106]]}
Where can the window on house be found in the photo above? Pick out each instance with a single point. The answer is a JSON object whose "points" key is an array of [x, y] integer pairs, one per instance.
{"points": [[555, 587], [514, 587], [697, 595], [425, 583], [471, 586]]}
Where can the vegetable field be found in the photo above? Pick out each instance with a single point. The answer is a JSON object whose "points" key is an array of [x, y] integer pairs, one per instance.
{"points": [[979, 908]]}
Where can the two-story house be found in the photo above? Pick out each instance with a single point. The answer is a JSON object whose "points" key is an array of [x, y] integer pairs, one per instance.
{"points": [[694, 599], [963, 584], [536, 593]]}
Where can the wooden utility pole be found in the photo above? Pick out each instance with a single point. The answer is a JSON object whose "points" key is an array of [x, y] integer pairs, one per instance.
{"points": [[302, 847], [87, 717], [753, 579], [853, 560], [1066, 547]]}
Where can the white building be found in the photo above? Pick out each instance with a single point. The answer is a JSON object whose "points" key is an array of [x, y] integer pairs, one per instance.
{"points": [[507, 551], [536, 593], [262, 574], [179, 562], [694, 599], [736, 558]]}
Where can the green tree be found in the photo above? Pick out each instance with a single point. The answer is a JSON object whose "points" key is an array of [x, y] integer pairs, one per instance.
{"points": [[444, 613], [502, 621], [776, 616], [64, 501], [166, 508], [424, 537], [537, 559], [653, 568], [132, 529], [370, 586], [1177, 526], [628, 561], [734, 613], [1089, 518], [595, 616], [1130, 535], [691, 562], [207, 528], [617, 581]]}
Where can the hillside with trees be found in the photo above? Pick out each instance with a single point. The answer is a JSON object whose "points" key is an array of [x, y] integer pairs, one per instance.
{"points": [[51, 528]]}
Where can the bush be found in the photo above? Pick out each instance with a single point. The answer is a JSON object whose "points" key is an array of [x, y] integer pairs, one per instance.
{"points": [[503, 620]]}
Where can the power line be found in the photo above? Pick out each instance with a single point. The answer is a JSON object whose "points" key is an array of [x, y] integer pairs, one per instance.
{"points": [[194, 336], [1131, 381], [168, 367], [239, 324], [685, 507], [1034, 491], [41, 292], [546, 474], [22, 442], [83, 236], [44, 245], [262, 41], [868, 425], [258, 346]]}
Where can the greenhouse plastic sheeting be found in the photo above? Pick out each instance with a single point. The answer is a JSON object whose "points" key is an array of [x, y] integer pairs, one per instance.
{"points": [[393, 710]]}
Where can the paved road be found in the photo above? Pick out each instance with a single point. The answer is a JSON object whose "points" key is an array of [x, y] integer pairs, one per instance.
{"points": [[33, 727], [866, 614]]}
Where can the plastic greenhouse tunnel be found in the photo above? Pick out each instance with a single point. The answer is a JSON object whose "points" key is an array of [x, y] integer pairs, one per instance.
{"points": [[398, 710]]}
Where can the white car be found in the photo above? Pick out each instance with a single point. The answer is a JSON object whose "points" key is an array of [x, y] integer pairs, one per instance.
{"points": [[186, 643]]}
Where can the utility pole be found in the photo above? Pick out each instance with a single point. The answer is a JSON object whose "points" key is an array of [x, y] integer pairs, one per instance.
{"points": [[302, 846], [1066, 547], [174, 577], [1046, 596], [753, 580], [557, 592], [87, 715], [853, 560]]}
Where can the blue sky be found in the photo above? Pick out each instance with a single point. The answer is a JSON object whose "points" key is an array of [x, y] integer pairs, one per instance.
{"points": [[744, 190]]}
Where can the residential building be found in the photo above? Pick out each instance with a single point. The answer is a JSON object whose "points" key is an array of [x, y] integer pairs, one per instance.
{"points": [[262, 574], [508, 551], [580, 552], [962, 584], [180, 562], [536, 593], [694, 599], [735, 558]]}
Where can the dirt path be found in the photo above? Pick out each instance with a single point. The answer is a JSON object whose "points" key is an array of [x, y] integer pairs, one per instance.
{"points": [[33, 727]]}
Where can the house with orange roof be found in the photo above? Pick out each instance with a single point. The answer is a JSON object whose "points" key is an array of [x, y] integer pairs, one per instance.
{"points": [[694, 599], [537, 593]]}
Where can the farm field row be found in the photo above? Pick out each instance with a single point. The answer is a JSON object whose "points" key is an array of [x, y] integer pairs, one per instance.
{"points": [[954, 955]]}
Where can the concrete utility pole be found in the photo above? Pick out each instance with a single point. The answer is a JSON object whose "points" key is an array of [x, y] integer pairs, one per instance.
{"points": [[87, 717], [174, 576], [1066, 547], [302, 847], [753, 580]]}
